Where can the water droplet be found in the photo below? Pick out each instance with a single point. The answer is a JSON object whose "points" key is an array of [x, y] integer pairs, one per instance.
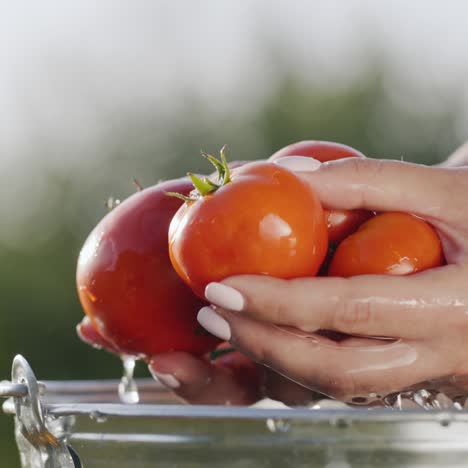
{"points": [[426, 399], [278, 425], [444, 401], [457, 406], [128, 390], [90, 295], [341, 423], [98, 416]]}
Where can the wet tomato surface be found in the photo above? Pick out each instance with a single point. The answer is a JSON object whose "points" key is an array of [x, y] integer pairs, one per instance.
{"points": [[391, 243]]}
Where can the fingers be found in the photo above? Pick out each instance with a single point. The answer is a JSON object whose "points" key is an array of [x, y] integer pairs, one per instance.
{"points": [[336, 371], [232, 378], [280, 388], [372, 305], [200, 382], [89, 335], [378, 185]]}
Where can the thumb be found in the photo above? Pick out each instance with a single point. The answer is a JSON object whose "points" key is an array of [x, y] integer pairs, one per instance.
{"points": [[374, 184]]}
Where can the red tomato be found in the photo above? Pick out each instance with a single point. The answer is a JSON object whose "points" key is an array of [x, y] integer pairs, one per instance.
{"points": [[127, 285], [341, 223], [323, 151], [265, 220], [390, 243]]}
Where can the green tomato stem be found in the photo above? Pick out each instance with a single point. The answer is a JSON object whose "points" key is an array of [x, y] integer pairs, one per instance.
{"points": [[217, 164], [217, 353], [179, 195], [227, 173], [204, 186]]}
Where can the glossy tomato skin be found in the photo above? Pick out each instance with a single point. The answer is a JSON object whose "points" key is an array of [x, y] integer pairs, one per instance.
{"points": [[341, 223], [323, 151], [265, 221], [391, 243], [126, 283]]}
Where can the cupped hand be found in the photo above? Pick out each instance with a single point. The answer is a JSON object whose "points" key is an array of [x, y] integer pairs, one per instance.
{"points": [[275, 322], [229, 379]]}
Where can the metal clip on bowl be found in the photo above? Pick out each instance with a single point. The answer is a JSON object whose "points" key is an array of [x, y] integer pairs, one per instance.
{"points": [[34, 440]]}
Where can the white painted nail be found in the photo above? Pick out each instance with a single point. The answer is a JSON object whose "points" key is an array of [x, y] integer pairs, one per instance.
{"points": [[299, 163], [214, 323], [166, 379], [224, 296]]}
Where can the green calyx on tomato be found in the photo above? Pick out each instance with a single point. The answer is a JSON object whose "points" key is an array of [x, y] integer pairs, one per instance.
{"points": [[217, 353], [205, 186]]}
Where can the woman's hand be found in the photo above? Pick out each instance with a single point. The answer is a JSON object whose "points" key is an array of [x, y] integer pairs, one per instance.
{"points": [[275, 321], [231, 378]]}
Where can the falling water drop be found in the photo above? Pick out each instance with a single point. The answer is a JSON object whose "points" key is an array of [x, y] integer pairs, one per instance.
{"points": [[98, 416], [426, 399], [444, 401], [128, 391], [278, 425]]}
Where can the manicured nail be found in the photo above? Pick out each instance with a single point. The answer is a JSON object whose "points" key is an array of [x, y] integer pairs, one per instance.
{"points": [[224, 296], [299, 163], [214, 323], [166, 379]]}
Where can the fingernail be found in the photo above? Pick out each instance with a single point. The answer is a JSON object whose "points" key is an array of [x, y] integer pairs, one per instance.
{"points": [[214, 323], [166, 379], [224, 296], [299, 163]]}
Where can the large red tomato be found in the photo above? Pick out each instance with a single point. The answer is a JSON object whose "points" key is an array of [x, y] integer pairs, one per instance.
{"points": [[341, 223], [262, 220], [127, 285], [391, 243]]}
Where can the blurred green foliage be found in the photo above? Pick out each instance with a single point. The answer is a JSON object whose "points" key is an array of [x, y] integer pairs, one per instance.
{"points": [[38, 300]]}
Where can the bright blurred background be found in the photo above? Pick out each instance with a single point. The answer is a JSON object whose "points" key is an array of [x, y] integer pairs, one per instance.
{"points": [[93, 94]]}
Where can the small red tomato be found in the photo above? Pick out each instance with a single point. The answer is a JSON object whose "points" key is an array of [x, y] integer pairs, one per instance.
{"points": [[263, 220], [126, 282], [323, 151], [391, 243], [341, 223]]}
